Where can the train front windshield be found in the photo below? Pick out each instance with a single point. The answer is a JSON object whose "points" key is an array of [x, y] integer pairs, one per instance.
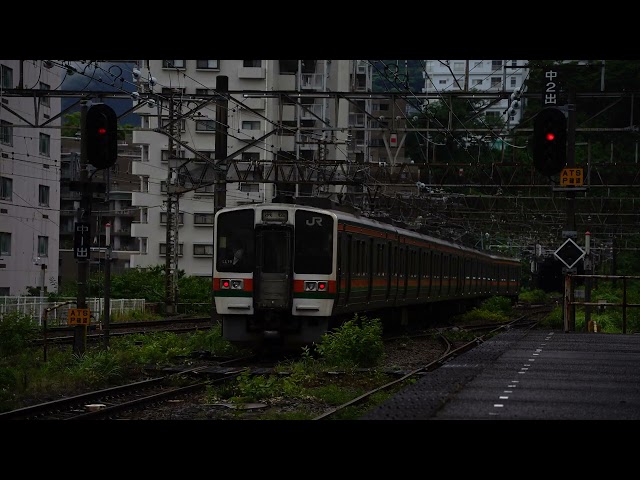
{"points": [[314, 243], [235, 242]]}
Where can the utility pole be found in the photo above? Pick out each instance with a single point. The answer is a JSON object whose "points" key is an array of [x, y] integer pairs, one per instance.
{"points": [[107, 287], [222, 107], [83, 218], [173, 215], [570, 229], [220, 185]]}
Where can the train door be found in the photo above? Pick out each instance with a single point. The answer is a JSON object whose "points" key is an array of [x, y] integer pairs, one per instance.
{"points": [[273, 271]]}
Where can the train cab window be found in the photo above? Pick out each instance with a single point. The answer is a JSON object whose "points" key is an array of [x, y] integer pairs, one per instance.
{"points": [[313, 243], [235, 247], [275, 251]]}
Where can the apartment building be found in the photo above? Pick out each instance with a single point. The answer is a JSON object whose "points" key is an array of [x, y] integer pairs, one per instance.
{"points": [[110, 207], [265, 126], [29, 177], [483, 76]]}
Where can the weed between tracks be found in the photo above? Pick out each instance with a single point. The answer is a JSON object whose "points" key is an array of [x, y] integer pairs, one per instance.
{"points": [[347, 363]]}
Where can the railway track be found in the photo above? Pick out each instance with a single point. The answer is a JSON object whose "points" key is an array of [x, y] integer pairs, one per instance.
{"points": [[187, 384], [65, 334], [110, 402]]}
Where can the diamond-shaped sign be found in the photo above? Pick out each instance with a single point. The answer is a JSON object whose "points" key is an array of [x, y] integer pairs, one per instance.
{"points": [[569, 253]]}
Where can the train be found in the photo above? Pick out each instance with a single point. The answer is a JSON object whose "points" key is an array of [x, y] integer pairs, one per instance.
{"points": [[287, 272]]}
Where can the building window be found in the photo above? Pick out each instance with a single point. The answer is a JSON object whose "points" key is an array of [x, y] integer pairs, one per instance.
{"points": [[5, 243], [442, 82], [45, 144], [43, 246], [163, 186], [496, 82], [458, 66], [250, 187], [45, 100], [163, 248], [205, 126], [182, 123], [164, 155], [250, 156], [204, 155], [206, 189], [6, 188], [143, 244], [6, 76], [252, 63], [5, 291], [6, 133], [169, 91], [144, 184], [43, 195], [163, 218], [496, 65], [205, 250], [204, 91], [513, 81], [173, 63], [477, 81], [203, 218], [144, 153], [250, 125], [208, 64], [144, 214]]}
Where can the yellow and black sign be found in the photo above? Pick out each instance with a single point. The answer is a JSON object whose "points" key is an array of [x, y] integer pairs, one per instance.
{"points": [[571, 177], [79, 316]]}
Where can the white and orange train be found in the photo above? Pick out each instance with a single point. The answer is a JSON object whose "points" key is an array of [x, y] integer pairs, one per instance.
{"points": [[288, 273]]}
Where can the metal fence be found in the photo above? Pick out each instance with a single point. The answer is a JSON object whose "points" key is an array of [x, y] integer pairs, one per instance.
{"points": [[35, 307]]}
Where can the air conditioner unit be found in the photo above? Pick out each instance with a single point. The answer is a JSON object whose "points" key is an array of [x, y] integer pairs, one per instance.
{"points": [[382, 164], [362, 69]]}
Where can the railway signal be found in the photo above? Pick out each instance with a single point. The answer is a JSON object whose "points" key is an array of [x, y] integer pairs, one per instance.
{"points": [[102, 136], [550, 141]]}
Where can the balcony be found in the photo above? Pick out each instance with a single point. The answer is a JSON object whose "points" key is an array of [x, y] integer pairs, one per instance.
{"points": [[312, 81], [251, 72]]}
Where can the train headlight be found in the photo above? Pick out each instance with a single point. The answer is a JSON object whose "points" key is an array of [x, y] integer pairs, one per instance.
{"points": [[310, 286], [236, 284]]}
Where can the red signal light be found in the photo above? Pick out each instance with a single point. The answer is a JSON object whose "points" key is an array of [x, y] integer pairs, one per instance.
{"points": [[550, 136], [102, 130], [225, 284]]}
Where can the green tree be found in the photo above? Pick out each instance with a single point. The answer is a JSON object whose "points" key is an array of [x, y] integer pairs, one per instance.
{"points": [[71, 124]]}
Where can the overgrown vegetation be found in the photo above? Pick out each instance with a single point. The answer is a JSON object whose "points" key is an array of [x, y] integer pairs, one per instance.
{"points": [[24, 374], [356, 349]]}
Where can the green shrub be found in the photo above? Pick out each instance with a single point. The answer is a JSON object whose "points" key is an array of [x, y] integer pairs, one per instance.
{"points": [[533, 296], [358, 342], [16, 331]]}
